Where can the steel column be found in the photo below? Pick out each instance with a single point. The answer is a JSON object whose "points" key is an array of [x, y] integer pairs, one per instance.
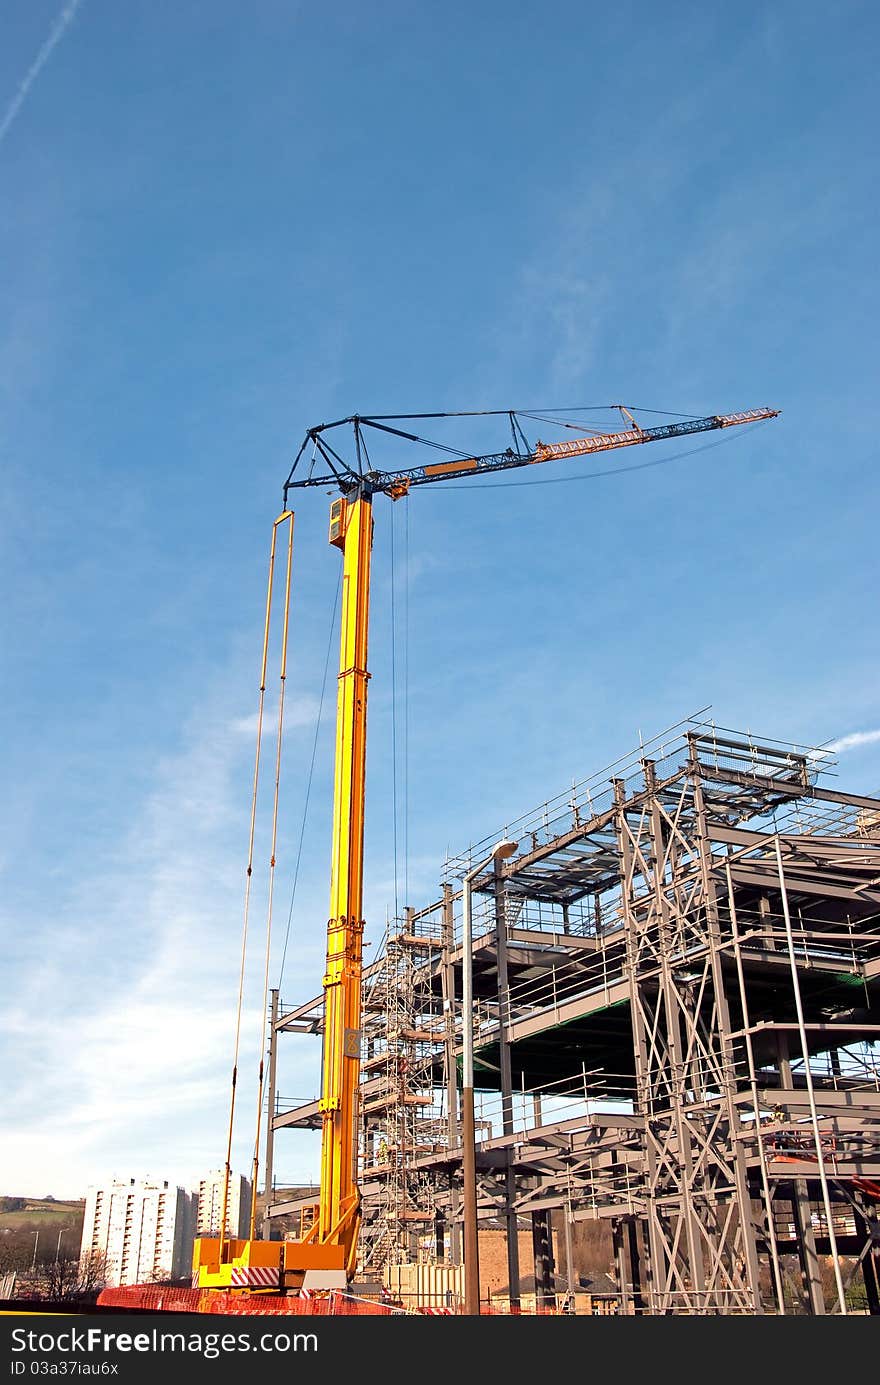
{"points": [[510, 1218], [270, 1130]]}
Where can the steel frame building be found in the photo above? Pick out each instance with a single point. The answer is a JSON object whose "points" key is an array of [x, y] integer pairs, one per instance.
{"points": [[676, 984]]}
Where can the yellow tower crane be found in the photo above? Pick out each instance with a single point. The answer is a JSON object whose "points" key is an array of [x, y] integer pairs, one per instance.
{"points": [[326, 1256]]}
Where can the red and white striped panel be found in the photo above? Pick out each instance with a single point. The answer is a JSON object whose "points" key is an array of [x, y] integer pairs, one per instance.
{"points": [[255, 1277], [437, 1312], [195, 1279]]}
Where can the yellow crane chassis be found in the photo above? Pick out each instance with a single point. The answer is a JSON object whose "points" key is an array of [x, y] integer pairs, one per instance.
{"points": [[271, 1266]]}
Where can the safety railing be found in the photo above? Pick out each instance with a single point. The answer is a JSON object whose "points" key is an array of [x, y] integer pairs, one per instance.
{"points": [[586, 1094], [785, 762]]}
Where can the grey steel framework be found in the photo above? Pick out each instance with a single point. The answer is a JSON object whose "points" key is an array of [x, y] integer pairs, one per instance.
{"points": [[676, 985]]}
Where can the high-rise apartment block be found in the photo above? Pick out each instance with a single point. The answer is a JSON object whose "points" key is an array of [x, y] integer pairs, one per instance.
{"points": [[210, 1205], [142, 1229]]}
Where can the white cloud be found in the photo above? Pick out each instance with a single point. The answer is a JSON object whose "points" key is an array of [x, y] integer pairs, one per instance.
{"points": [[298, 712], [855, 738], [851, 742], [128, 1069]]}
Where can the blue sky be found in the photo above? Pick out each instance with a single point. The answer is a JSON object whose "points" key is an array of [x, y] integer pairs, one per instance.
{"points": [[221, 224]]}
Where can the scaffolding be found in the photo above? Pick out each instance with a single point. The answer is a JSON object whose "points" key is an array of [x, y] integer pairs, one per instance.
{"points": [[400, 1122], [675, 989]]}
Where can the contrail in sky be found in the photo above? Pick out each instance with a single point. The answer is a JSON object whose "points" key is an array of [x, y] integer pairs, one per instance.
{"points": [[56, 34]]}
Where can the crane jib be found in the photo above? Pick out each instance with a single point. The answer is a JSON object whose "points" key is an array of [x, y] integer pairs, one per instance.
{"points": [[327, 466], [398, 483]]}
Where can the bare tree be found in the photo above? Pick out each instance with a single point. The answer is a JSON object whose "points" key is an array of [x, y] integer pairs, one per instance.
{"points": [[82, 1280], [14, 1257]]}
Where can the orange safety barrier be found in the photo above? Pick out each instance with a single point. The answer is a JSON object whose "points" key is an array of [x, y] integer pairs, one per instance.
{"points": [[152, 1297], [263, 1305], [156, 1298]]}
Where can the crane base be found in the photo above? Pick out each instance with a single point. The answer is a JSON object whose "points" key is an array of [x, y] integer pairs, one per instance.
{"points": [[267, 1265]]}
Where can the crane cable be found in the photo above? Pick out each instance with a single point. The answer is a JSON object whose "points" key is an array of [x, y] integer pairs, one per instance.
{"points": [[394, 715], [406, 707], [400, 763], [278, 742], [248, 877], [302, 830]]}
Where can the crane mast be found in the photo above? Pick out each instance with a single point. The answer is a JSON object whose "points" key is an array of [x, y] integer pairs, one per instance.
{"points": [[351, 530], [326, 1255]]}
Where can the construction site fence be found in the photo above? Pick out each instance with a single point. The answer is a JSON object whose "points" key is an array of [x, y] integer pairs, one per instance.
{"points": [[162, 1299], [336, 1303]]}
